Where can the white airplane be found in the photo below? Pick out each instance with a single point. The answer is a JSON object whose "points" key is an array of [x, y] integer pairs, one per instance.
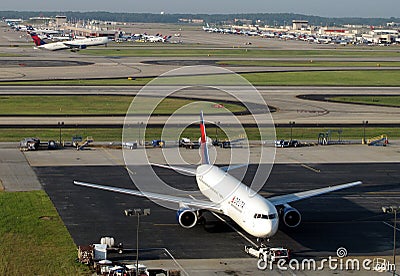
{"points": [[255, 214], [72, 44], [155, 38]]}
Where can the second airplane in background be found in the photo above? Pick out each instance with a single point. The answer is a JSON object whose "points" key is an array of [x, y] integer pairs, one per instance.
{"points": [[72, 44]]}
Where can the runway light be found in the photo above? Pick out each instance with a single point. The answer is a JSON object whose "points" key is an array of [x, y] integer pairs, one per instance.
{"points": [[137, 213]]}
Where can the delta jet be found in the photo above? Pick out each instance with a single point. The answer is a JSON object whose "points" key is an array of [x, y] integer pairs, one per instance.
{"points": [[72, 44], [256, 215]]}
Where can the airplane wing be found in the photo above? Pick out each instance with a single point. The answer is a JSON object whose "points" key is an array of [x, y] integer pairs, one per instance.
{"points": [[183, 201], [283, 199], [189, 171], [233, 167], [192, 171]]}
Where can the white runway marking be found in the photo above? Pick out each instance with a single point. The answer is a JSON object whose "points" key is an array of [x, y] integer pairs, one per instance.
{"points": [[384, 222], [310, 168]]}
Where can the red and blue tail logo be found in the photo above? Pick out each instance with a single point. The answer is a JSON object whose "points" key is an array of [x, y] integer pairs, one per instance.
{"points": [[203, 141], [37, 39]]}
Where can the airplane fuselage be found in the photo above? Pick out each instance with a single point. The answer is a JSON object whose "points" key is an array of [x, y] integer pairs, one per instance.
{"points": [[91, 41], [252, 212], [53, 46], [78, 43]]}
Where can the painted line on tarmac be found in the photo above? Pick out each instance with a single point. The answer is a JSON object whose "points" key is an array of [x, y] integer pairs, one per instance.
{"points": [[113, 158], [233, 228], [383, 193], [391, 226], [310, 168], [130, 171]]}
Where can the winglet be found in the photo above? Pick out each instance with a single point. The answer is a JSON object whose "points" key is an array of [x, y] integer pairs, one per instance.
{"points": [[203, 141]]}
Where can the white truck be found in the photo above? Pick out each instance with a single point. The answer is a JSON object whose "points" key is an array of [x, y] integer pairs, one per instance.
{"points": [[186, 143], [272, 254]]}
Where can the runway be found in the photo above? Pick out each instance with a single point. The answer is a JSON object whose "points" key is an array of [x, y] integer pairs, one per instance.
{"points": [[350, 218], [137, 66], [286, 99]]}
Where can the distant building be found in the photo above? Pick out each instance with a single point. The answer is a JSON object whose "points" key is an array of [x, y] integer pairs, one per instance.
{"points": [[190, 20], [198, 21], [243, 21], [41, 20], [335, 31], [300, 24], [381, 36], [393, 24], [61, 20]]}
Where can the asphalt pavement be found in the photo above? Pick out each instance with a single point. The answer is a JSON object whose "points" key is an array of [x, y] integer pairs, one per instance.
{"points": [[351, 218]]}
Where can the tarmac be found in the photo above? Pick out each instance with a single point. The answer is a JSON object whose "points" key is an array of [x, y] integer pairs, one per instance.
{"points": [[331, 154], [15, 172], [351, 218]]}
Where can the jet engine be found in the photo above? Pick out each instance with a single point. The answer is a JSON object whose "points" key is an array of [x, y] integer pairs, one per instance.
{"points": [[187, 218], [291, 216]]}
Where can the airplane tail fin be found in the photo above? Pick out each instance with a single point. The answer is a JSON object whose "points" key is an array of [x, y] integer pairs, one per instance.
{"points": [[37, 39], [203, 141]]}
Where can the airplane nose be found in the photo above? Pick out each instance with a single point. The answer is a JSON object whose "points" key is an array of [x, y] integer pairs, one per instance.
{"points": [[269, 228]]}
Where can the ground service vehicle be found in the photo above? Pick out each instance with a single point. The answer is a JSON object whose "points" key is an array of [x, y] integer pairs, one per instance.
{"points": [[271, 254]]}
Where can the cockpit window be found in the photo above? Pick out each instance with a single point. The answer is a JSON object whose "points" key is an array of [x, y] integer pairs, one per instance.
{"points": [[261, 216], [272, 216]]}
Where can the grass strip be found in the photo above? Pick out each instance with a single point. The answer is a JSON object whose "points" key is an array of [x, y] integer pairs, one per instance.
{"points": [[100, 105], [33, 238], [327, 78], [371, 100], [303, 78], [307, 63], [242, 52]]}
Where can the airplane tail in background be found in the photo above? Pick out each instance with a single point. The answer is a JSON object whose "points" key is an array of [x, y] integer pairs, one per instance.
{"points": [[37, 39], [203, 141]]}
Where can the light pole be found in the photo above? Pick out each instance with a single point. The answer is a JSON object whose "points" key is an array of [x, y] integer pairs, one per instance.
{"points": [[365, 123], [140, 125], [291, 129], [137, 213], [216, 131], [393, 210], [60, 124]]}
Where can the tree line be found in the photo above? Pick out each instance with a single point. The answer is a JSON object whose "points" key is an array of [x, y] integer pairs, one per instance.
{"points": [[277, 19]]}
